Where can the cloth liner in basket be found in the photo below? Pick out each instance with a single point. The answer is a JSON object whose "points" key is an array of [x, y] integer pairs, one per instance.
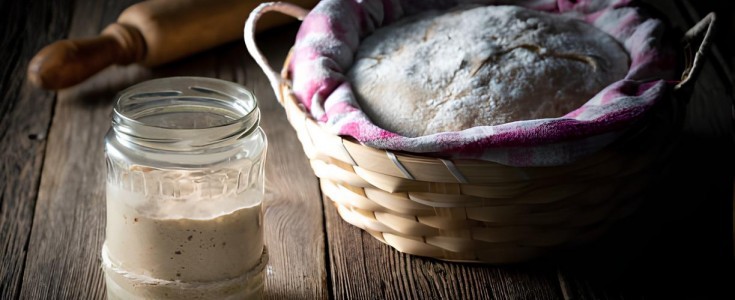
{"points": [[495, 194], [330, 34]]}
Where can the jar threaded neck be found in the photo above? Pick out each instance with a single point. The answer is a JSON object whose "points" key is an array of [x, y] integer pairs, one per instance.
{"points": [[185, 114]]}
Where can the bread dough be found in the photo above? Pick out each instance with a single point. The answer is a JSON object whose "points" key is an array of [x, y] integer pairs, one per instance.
{"points": [[474, 66]]}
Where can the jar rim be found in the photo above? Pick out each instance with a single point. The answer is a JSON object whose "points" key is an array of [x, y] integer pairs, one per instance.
{"points": [[228, 112]]}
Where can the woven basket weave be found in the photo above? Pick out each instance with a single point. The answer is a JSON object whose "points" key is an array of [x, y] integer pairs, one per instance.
{"points": [[479, 211]]}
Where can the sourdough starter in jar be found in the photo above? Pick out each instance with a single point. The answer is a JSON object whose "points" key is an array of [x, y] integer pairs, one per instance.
{"points": [[184, 192]]}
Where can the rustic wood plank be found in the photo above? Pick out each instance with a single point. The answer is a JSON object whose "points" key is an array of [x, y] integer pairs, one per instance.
{"points": [[25, 115], [293, 213], [294, 218], [63, 253], [364, 268], [63, 259]]}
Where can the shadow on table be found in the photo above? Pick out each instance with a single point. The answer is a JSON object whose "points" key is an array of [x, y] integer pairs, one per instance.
{"points": [[680, 242]]}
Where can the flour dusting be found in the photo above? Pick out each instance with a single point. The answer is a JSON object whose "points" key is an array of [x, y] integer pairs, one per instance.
{"points": [[474, 66]]}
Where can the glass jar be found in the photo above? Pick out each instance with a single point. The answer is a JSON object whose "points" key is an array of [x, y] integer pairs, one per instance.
{"points": [[184, 192]]}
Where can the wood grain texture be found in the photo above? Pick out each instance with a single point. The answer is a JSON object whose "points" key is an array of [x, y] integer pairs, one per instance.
{"points": [[25, 115], [68, 232], [364, 268], [294, 224], [68, 228], [294, 229]]}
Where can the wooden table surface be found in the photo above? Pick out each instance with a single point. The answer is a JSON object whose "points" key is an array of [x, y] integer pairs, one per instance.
{"points": [[52, 204]]}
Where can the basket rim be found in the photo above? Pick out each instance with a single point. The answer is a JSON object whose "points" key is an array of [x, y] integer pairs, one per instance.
{"points": [[413, 167]]}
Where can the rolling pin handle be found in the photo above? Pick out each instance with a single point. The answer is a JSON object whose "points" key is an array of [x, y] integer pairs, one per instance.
{"points": [[68, 62]]}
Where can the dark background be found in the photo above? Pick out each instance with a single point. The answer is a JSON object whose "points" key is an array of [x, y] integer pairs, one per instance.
{"points": [[681, 230]]}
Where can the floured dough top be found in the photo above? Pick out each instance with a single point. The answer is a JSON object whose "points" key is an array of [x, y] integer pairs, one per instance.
{"points": [[449, 71]]}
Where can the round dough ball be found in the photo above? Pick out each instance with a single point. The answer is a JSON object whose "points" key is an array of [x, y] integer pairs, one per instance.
{"points": [[475, 66]]}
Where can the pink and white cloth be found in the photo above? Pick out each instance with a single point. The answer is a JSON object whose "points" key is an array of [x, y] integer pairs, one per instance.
{"points": [[331, 32]]}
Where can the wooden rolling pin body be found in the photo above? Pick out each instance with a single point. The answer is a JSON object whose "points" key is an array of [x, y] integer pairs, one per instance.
{"points": [[152, 32]]}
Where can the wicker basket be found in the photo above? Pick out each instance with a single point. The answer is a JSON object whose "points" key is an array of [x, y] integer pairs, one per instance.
{"points": [[479, 211]]}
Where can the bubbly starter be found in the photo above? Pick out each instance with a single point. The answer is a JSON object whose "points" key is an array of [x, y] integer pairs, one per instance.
{"points": [[197, 240]]}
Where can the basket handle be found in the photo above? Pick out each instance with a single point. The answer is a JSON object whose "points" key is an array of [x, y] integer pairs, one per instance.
{"points": [[249, 34], [698, 37]]}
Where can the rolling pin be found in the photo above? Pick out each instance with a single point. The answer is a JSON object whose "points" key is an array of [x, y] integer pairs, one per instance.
{"points": [[150, 33]]}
